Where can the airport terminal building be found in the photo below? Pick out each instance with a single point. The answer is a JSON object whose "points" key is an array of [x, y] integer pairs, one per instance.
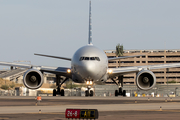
{"points": [[151, 57]]}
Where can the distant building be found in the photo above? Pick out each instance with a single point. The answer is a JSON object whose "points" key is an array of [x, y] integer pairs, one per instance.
{"points": [[151, 57]]}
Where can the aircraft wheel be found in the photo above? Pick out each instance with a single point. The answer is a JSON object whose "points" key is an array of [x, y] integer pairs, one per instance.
{"points": [[124, 93], [62, 92], [91, 93], [86, 93], [116, 93], [54, 92]]}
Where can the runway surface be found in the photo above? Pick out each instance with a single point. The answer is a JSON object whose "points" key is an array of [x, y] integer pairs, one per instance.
{"points": [[53, 108]]}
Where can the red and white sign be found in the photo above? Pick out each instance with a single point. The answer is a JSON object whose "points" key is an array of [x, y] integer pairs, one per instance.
{"points": [[72, 113]]}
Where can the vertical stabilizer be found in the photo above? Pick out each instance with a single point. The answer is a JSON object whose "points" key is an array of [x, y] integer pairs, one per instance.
{"points": [[90, 25]]}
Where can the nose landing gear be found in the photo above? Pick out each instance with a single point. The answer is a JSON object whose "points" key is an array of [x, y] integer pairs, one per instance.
{"points": [[89, 92]]}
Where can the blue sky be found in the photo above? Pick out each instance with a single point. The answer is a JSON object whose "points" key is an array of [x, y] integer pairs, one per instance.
{"points": [[60, 27]]}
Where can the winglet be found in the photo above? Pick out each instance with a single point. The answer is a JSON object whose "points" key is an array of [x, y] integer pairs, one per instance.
{"points": [[90, 24]]}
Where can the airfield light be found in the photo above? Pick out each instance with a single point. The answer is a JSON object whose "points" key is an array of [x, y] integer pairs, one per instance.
{"points": [[68, 71]]}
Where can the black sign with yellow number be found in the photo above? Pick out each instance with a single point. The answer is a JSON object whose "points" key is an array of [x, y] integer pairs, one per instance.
{"points": [[89, 113]]}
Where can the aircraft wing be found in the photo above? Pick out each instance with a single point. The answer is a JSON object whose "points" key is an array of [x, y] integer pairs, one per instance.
{"points": [[113, 72], [56, 70], [62, 71], [16, 64], [64, 58], [123, 57]]}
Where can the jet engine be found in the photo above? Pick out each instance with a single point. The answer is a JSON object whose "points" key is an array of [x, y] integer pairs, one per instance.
{"points": [[145, 80], [33, 79]]}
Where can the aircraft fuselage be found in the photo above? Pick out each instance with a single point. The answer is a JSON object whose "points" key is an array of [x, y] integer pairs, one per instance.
{"points": [[89, 64]]}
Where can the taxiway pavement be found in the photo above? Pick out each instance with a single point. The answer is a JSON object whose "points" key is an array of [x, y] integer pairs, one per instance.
{"points": [[108, 107]]}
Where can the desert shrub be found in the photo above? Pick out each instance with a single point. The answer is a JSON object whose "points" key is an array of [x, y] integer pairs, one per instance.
{"points": [[12, 85], [5, 87], [53, 86]]}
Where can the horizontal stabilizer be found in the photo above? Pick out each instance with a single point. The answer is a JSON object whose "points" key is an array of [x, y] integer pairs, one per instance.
{"points": [[64, 58], [123, 57]]}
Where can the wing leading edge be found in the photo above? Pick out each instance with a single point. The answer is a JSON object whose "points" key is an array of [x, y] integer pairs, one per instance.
{"points": [[127, 70], [123, 57], [64, 58], [56, 70]]}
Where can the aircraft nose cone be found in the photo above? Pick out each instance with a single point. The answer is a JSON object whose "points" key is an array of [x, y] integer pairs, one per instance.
{"points": [[89, 70]]}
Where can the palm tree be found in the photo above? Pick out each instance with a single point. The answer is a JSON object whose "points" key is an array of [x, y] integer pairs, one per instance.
{"points": [[119, 51]]}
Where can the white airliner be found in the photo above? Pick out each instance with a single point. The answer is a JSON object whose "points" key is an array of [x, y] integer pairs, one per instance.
{"points": [[89, 65]]}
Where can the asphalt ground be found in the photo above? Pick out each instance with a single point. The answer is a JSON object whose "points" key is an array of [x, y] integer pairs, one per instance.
{"points": [[54, 101], [110, 108], [108, 115]]}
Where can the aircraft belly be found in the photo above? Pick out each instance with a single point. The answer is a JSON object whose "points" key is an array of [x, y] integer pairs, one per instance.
{"points": [[78, 79], [82, 75]]}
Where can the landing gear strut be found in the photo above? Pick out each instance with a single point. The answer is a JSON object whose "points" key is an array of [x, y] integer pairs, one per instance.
{"points": [[89, 92], [121, 92], [58, 91]]}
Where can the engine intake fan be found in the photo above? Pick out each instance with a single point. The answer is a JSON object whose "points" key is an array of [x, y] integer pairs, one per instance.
{"points": [[33, 79], [145, 80]]}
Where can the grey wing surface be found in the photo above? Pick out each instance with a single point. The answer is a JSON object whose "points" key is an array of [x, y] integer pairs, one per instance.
{"points": [[123, 57], [15, 64], [64, 58], [56, 70], [127, 70]]}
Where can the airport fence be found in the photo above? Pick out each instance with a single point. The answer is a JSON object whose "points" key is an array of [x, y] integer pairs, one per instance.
{"points": [[7, 92], [105, 91], [134, 91]]}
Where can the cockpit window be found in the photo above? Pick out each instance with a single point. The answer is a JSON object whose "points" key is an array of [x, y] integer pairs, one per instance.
{"points": [[86, 58], [81, 58], [89, 58], [92, 58], [97, 58]]}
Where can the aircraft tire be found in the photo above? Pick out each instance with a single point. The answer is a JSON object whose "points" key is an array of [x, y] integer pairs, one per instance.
{"points": [[86, 93], [62, 92], [124, 93], [54, 92], [116, 93], [91, 93]]}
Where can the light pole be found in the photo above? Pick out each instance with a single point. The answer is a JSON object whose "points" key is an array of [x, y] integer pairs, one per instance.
{"points": [[167, 70], [176, 91], [71, 88]]}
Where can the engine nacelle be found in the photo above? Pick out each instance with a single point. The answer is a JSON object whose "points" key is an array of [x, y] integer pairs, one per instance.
{"points": [[145, 80], [33, 79]]}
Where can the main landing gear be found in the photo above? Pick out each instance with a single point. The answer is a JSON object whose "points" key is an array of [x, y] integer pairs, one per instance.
{"points": [[121, 92], [58, 91]]}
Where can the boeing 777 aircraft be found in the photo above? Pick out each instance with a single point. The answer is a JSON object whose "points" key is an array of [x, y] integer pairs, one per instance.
{"points": [[89, 65]]}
